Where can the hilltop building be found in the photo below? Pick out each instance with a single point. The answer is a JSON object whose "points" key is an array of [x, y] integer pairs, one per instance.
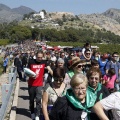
{"points": [[41, 14]]}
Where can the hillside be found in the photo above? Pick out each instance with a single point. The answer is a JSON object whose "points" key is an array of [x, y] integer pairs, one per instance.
{"points": [[100, 21], [63, 20], [106, 21], [8, 15], [22, 10], [113, 13], [4, 7]]}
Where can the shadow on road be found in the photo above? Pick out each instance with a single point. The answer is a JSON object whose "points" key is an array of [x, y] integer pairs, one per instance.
{"points": [[24, 97], [23, 111], [24, 88]]}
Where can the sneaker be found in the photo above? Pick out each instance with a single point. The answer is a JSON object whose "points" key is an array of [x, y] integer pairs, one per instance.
{"points": [[37, 118], [33, 116]]}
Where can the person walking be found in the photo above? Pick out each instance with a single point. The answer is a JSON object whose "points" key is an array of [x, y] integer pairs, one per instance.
{"points": [[35, 84], [5, 64]]}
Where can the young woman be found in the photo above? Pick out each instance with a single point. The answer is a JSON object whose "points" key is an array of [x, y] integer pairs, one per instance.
{"points": [[76, 66], [52, 91]]}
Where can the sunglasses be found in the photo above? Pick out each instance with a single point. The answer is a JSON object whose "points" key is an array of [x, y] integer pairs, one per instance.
{"points": [[115, 56], [58, 79], [79, 66], [88, 53]]}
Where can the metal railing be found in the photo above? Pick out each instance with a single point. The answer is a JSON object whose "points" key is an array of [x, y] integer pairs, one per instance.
{"points": [[7, 93]]}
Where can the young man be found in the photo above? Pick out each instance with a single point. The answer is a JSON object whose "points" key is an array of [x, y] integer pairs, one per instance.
{"points": [[113, 63], [35, 83], [112, 102]]}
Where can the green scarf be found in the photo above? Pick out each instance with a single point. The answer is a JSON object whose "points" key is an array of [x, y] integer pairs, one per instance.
{"points": [[90, 100], [71, 73], [99, 87]]}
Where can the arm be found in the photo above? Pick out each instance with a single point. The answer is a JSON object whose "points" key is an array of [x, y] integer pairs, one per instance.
{"points": [[50, 70], [106, 71], [99, 110], [44, 105], [107, 67]]}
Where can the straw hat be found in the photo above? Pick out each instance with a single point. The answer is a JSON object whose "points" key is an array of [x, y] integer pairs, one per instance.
{"points": [[74, 61]]}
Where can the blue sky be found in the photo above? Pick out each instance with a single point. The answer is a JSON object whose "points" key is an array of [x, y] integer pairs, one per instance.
{"points": [[74, 6]]}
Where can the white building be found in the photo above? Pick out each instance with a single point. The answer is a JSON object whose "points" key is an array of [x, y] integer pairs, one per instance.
{"points": [[41, 14]]}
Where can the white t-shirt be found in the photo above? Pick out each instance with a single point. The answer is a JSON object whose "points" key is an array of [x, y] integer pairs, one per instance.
{"points": [[112, 102], [83, 50]]}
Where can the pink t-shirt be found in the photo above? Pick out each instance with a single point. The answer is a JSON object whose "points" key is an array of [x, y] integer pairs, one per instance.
{"points": [[111, 82]]}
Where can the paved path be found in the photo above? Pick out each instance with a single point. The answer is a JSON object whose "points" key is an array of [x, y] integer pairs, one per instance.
{"points": [[23, 112]]}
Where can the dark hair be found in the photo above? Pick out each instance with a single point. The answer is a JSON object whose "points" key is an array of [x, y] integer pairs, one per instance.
{"points": [[111, 71], [39, 52], [59, 72], [94, 52], [115, 53], [87, 44], [94, 62], [87, 50], [93, 70]]}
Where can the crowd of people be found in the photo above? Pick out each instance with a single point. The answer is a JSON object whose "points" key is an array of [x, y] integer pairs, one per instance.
{"points": [[70, 85]]}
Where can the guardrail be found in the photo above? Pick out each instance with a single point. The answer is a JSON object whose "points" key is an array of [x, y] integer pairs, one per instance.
{"points": [[7, 91]]}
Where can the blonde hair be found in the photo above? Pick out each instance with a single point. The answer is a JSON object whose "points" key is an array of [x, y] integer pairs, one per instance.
{"points": [[78, 79]]}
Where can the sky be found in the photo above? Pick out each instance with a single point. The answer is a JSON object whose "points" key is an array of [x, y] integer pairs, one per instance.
{"points": [[74, 6]]}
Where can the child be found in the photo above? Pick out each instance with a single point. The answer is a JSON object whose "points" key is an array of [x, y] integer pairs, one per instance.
{"points": [[110, 79]]}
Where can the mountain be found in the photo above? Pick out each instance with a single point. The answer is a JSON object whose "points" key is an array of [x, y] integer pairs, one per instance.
{"points": [[8, 15], [107, 20], [23, 10], [4, 7], [113, 13]]}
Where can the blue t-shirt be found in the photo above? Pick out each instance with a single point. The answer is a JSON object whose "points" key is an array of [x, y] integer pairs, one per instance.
{"points": [[5, 62], [102, 65], [115, 65]]}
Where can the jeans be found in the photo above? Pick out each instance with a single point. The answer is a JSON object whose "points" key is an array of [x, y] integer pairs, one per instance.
{"points": [[35, 92]]}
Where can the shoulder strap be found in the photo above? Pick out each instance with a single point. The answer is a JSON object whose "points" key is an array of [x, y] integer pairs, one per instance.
{"points": [[64, 89], [53, 89], [56, 92]]}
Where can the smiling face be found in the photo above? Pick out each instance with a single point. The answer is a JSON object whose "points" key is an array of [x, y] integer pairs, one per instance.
{"points": [[94, 80], [115, 57], [80, 92], [87, 54], [78, 68]]}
